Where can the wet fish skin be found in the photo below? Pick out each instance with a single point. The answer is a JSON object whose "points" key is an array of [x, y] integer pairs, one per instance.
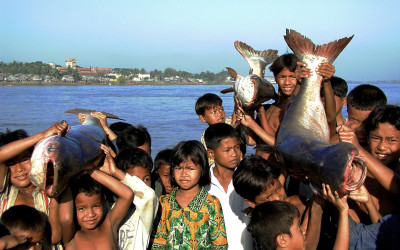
{"points": [[303, 138], [58, 159]]}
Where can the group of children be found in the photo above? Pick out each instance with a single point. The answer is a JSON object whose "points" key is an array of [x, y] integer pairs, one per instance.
{"points": [[207, 193]]}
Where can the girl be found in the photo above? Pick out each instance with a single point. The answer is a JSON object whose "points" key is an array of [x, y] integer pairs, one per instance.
{"points": [[191, 218]]}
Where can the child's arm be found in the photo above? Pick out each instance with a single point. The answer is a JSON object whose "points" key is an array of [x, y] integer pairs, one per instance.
{"points": [[66, 213], [11, 150], [389, 179], [11, 241], [124, 193], [313, 218], [342, 235], [362, 195], [103, 121], [54, 220]]}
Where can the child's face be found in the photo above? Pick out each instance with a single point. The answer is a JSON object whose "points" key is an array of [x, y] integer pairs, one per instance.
{"points": [[164, 174], [20, 166], [384, 143], [340, 103], [228, 153], [296, 241], [141, 172], [35, 240], [287, 81], [358, 117], [89, 210], [213, 115], [187, 175], [273, 192]]}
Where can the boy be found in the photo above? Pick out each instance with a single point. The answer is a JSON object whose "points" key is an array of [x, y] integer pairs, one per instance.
{"points": [[360, 103], [15, 166], [223, 146], [137, 137], [27, 222], [161, 176], [133, 169], [97, 229], [257, 182]]}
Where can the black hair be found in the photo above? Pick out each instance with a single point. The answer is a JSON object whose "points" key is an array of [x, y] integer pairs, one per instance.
{"points": [[118, 127], [339, 87], [11, 136], [252, 176], [270, 219], [215, 133], [191, 150], [133, 157], [85, 184], [133, 137], [288, 61], [163, 158], [366, 97], [24, 218], [207, 101], [383, 114]]}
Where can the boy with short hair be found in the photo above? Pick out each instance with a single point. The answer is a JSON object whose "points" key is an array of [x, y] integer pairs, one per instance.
{"points": [[340, 88], [27, 222], [133, 167], [361, 101], [223, 146], [97, 229], [161, 177]]}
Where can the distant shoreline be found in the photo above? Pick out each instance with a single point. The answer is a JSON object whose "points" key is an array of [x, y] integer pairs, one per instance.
{"points": [[152, 83]]}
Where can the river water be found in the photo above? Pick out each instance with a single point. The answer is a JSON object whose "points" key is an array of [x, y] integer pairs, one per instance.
{"points": [[166, 111]]}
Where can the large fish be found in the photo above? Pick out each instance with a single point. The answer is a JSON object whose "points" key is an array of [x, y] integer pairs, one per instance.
{"points": [[253, 89], [57, 159], [303, 138]]}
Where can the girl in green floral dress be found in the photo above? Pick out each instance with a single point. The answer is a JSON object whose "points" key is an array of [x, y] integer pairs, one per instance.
{"points": [[191, 218]]}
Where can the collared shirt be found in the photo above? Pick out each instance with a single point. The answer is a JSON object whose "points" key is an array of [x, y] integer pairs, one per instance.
{"points": [[134, 232], [232, 206], [198, 226]]}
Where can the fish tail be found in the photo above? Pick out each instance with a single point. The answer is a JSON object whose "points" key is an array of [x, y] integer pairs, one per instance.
{"points": [[301, 45]]}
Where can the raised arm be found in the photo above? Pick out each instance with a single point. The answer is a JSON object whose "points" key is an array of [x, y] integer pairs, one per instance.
{"points": [[362, 195], [13, 149], [389, 179], [66, 213], [124, 193], [103, 121]]}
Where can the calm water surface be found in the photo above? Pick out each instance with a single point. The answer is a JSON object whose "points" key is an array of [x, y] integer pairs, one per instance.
{"points": [[166, 111]]}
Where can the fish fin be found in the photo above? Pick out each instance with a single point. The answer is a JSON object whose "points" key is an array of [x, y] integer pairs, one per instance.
{"points": [[88, 111], [301, 45], [228, 90], [257, 59], [232, 72]]}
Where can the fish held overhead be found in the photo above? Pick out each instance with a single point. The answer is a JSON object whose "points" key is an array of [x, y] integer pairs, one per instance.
{"points": [[303, 138], [253, 89], [58, 159]]}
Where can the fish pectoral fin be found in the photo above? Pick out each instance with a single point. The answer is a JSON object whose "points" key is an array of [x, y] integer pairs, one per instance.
{"points": [[228, 90]]}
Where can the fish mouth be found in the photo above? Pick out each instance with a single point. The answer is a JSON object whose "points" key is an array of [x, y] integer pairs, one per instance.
{"points": [[49, 182], [355, 174]]}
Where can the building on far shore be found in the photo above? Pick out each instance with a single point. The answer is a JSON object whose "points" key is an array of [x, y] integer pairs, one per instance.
{"points": [[71, 62]]}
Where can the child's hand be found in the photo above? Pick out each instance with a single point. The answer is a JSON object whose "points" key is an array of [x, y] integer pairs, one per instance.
{"points": [[347, 134], [325, 70], [11, 241], [101, 117], [360, 195], [109, 166], [302, 72], [57, 129], [340, 203]]}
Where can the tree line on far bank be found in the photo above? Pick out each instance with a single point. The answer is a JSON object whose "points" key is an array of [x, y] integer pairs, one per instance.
{"points": [[40, 68]]}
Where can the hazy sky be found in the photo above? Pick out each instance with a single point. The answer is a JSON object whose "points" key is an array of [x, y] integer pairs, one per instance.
{"points": [[197, 36]]}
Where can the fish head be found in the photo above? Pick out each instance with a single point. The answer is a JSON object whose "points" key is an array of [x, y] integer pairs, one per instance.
{"points": [[50, 160], [251, 90], [342, 168]]}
